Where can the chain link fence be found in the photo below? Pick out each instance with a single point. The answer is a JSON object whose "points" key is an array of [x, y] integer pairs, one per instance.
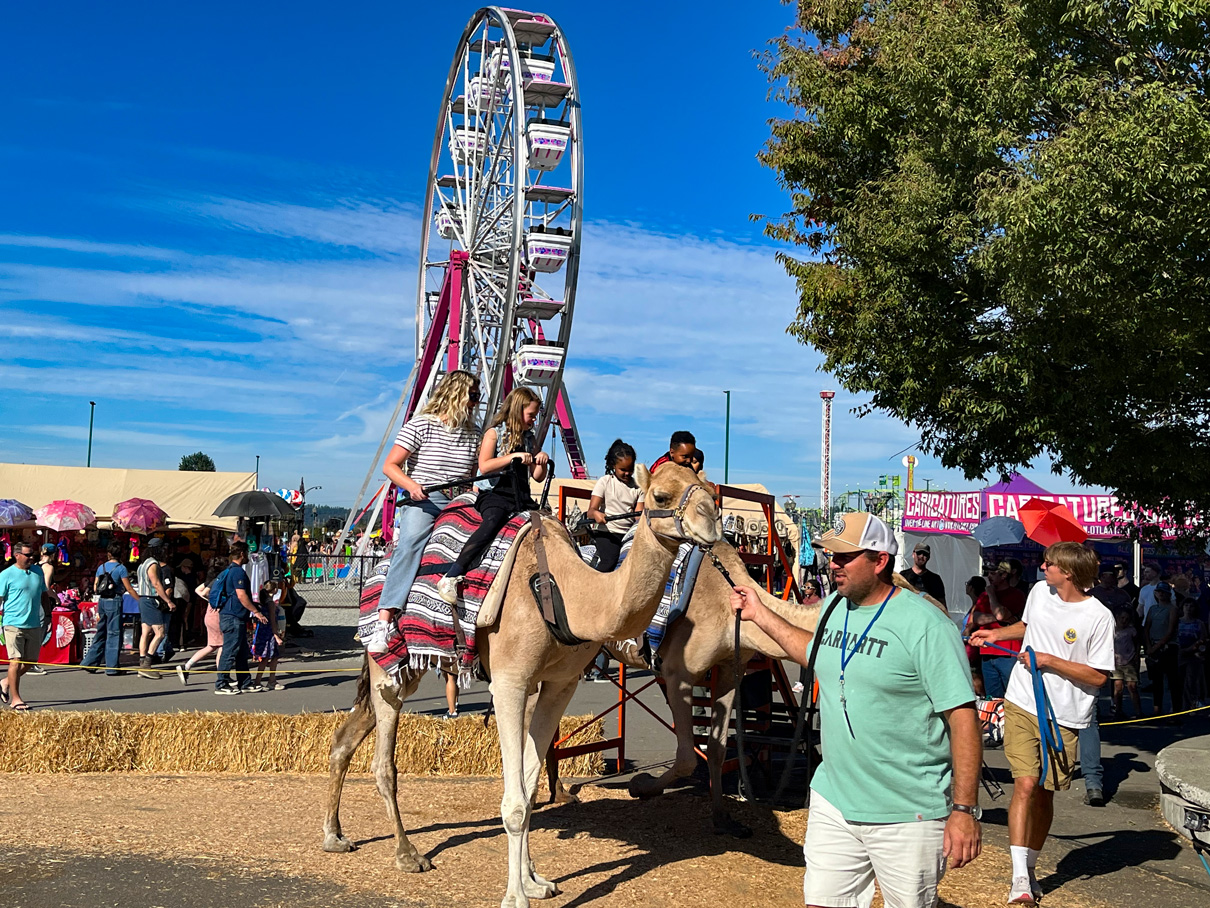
{"points": [[333, 581]]}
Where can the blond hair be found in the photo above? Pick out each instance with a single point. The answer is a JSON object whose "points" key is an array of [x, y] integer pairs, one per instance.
{"points": [[451, 400], [1077, 562], [510, 416]]}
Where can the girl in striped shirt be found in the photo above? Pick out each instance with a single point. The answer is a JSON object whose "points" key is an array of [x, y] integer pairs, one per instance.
{"points": [[438, 445]]}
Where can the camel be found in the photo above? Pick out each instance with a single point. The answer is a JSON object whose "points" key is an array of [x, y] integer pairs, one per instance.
{"points": [[532, 675], [704, 637]]}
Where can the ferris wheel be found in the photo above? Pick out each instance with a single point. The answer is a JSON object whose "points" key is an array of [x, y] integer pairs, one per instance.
{"points": [[500, 244]]}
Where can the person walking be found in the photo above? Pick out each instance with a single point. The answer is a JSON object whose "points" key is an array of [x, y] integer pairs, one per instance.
{"points": [[27, 606], [233, 602], [111, 580], [154, 600], [1125, 673], [437, 446], [1070, 635], [895, 797], [919, 576], [509, 448], [214, 633], [1191, 641]]}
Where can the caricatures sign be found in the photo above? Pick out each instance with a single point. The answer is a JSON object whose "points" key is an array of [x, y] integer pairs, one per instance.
{"points": [[956, 513]]}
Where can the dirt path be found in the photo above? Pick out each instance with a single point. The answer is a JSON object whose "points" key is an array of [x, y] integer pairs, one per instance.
{"points": [[211, 841]]}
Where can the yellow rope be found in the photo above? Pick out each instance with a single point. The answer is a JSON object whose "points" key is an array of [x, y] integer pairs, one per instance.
{"points": [[1186, 712]]}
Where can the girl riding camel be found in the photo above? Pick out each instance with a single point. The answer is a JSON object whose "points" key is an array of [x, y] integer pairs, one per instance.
{"points": [[507, 448]]}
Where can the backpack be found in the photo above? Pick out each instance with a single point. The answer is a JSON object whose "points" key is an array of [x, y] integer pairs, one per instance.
{"points": [[218, 591], [107, 587], [167, 578]]}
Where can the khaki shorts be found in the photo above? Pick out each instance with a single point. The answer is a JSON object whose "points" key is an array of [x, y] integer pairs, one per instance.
{"points": [[23, 643], [1128, 672], [1023, 748]]}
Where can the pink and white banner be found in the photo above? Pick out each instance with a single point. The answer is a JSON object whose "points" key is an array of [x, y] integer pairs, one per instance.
{"points": [[941, 512], [1096, 513]]}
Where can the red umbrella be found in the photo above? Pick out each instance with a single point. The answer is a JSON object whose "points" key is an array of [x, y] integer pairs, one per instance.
{"points": [[1048, 522]]}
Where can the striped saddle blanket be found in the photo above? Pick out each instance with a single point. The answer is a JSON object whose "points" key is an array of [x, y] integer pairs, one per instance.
{"points": [[426, 638]]}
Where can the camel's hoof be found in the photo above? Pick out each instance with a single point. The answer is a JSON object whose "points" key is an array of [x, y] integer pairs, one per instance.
{"points": [[409, 864], [644, 785], [727, 826], [539, 888], [563, 796], [514, 901], [338, 844]]}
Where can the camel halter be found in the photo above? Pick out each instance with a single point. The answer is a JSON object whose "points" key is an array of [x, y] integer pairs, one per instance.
{"points": [[676, 514]]}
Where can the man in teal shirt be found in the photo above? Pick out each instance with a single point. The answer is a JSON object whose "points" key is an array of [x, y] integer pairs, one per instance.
{"points": [[23, 593], [895, 797]]}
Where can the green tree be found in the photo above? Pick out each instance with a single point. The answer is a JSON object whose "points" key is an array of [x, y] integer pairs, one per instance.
{"points": [[1006, 212], [197, 462]]}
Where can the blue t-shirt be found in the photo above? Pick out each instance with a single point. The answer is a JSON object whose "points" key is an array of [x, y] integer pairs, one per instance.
{"points": [[22, 594], [234, 578], [116, 570]]}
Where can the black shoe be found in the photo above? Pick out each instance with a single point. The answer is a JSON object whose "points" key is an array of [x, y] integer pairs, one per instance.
{"points": [[1094, 797]]}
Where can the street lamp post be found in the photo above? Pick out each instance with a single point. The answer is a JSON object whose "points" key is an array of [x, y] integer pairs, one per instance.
{"points": [[92, 407], [727, 442], [258, 471]]}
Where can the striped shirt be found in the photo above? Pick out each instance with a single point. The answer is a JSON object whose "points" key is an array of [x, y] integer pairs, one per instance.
{"points": [[438, 453]]}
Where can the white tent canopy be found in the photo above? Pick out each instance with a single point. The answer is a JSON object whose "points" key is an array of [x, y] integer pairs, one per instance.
{"points": [[955, 558], [189, 498]]}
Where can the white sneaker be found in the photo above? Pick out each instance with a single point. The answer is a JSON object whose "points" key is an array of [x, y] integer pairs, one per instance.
{"points": [[796, 687], [378, 640], [1021, 892], [447, 589]]}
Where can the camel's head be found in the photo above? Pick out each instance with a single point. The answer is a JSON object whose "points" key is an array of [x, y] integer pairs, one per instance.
{"points": [[680, 504]]}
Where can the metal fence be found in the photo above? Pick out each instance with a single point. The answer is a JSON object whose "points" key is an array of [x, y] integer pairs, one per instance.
{"points": [[333, 581]]}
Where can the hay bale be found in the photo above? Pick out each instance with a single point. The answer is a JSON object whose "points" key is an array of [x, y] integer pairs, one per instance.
{"points": [[50, 741]]}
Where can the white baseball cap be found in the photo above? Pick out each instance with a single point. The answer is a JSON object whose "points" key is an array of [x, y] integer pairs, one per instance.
{"points": [[858, 531]]}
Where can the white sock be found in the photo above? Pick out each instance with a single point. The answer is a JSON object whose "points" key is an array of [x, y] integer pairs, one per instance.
{"points": [[1031, 860], [1020, 856]]}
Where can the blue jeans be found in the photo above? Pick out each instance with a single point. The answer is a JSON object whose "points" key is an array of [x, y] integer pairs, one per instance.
{"points": [[415, 524], [1090, 755], [235, 651], [108, 641], [996, 670]]}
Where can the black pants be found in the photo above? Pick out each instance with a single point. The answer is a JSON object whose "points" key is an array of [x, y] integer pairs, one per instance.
{"points": [[497, 506], [609, 547], [1161, 666]]}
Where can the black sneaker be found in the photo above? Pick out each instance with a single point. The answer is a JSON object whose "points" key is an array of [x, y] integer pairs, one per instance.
{"points": [[227, 691], [1094, 797]]}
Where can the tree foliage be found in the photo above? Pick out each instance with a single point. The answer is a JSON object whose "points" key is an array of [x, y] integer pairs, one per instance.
{"points": [[1006, 207], [197, 462]]}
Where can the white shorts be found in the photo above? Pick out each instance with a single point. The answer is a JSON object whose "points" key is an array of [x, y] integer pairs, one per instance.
{"points": [[844, 858]]}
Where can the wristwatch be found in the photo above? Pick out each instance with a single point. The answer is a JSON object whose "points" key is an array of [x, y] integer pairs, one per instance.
{"points": [[974, 810]]}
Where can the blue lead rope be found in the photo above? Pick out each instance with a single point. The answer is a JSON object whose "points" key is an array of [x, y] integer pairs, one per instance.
{"points": [[1048, 725]]}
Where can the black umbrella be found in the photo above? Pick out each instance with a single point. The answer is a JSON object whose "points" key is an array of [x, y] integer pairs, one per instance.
{"points": [[255, 504]]}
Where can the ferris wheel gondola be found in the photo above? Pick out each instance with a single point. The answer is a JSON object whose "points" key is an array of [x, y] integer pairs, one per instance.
{"points": [[500, 245]]}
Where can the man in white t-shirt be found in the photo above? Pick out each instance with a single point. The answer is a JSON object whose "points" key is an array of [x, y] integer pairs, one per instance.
{"points": [[1071, 636], [1151, 577]]}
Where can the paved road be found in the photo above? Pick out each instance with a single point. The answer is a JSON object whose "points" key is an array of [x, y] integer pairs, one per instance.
{"points": [[1124, 848]]}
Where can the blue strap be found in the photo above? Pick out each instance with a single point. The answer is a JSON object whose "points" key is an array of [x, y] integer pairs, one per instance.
{"points": [[1048, 724]]}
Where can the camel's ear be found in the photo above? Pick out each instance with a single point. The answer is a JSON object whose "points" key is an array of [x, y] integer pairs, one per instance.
{"points": [[642, 476], [702, 475]]}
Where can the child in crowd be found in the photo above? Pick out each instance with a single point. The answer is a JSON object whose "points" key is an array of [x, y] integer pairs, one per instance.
{"points": [[615, 493], [1125, 673], [508, 447], [680, 450], [267, 639], [438, 445], [697, 460]]}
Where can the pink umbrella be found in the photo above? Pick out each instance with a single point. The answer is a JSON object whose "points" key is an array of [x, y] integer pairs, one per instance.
{"points": [[139, 515], [64, 515]]}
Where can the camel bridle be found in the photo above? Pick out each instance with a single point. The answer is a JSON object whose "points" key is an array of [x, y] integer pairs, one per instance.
{"points": [[677, 514]]}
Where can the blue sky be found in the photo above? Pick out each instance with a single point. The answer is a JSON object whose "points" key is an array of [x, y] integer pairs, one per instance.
{"points": [[210, 226]]}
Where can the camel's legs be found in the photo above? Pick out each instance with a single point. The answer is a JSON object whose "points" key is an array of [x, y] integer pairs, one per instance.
{"points": [[407, 858], [345, 741], [680, 701], [553, 698], [716, 753], [509, 699]]}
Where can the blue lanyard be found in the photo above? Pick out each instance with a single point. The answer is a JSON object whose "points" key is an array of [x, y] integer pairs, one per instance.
{"points": [[846, 655]]}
